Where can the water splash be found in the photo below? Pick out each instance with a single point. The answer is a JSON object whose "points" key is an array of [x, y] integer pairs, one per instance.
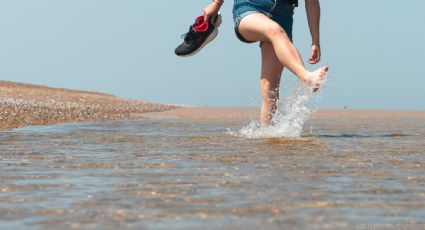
{"points": [[289, 118]]}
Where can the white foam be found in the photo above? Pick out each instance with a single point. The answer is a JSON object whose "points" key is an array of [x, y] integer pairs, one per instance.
{"points": [[290, 116]]}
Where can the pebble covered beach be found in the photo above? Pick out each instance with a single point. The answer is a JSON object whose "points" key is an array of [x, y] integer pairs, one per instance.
{"points": [[27, 105]]}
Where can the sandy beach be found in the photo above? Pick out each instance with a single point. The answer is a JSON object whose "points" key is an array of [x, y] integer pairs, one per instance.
{"points": [[26, 105]]}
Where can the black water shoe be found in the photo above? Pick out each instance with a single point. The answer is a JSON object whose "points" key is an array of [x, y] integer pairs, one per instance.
{"points": [[199, 35]]}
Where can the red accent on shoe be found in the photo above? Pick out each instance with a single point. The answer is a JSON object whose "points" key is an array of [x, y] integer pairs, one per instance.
{"points": [[199, 20], [200, 25], [201, 28]]}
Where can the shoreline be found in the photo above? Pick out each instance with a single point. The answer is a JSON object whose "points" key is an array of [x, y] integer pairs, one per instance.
{"points": [[29, 105]]}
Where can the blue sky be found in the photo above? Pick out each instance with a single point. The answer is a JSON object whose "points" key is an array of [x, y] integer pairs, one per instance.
{"points": [[374, 49]]}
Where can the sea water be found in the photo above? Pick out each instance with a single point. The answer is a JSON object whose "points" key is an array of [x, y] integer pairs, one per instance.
{"points": [[288, 119], [355, 172]]}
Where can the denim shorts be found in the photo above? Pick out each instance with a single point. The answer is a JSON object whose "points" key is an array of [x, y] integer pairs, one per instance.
{"points": [[277, 10]]}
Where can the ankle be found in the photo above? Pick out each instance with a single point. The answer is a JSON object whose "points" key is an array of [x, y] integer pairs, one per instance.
{"points": [[304, 76]]}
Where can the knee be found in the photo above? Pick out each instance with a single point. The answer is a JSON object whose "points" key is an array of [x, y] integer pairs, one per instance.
{"points": [[275, 31]]}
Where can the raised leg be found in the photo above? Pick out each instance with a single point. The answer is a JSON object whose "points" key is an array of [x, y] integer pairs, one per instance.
{"points": [[258, 27]]}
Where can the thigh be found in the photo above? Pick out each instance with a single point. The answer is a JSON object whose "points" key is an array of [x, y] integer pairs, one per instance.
{"points": [[258, 27], [271, 68]]}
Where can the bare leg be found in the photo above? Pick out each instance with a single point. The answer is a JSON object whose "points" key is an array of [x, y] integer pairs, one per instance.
{"points": [[271, 71], [258, 27]]}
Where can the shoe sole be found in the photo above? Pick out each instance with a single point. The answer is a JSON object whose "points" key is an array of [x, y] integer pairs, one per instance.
{"points": [[209, 39]]}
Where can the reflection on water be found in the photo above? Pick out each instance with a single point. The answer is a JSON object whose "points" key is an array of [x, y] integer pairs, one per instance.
{"points": [[184, 174]]}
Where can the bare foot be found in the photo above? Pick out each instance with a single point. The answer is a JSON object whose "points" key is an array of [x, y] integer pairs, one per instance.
{"points": [[315, 79]]}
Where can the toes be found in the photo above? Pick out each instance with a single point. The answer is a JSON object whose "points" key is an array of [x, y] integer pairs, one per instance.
{"points": [[326, 69]]}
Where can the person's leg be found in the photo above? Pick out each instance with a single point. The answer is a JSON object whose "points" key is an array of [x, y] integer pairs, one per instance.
{"points": [[258, 27], [271, 71]]}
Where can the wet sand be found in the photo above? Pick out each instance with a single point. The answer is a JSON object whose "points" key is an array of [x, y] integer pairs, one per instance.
{"points": [[27, 105], [228, 113], [207, 113]]}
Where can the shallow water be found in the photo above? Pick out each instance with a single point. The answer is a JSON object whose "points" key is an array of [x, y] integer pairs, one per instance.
{"points": [[182, 174]]}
